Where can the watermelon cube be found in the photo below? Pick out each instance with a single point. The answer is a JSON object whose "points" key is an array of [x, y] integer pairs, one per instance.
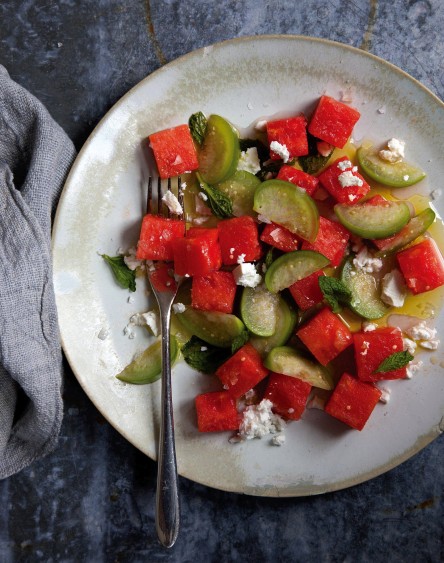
{"points": [[331, 241], [197, 255], [239, 237], [333, 121], [343, 181], [214, 291], [216, 412], [372, 348], [242, 371], [325, 335], [306, 292], [422, 266], [291, 133], [353, 401], [174, 151], [280, 237], [288, 395], [156, 236], [305, 181]]}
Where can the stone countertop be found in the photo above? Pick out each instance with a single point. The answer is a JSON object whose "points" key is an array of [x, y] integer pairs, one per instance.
{"points": [[93, 498]]}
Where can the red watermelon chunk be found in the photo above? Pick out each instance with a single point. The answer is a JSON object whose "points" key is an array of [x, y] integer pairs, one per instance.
{"points": [[197, 255], [372, 348], [306, 181], [280, 237], [306, 292], [216, 412], [291, 133], [242, 371], [325, 335], [156, 236], [239, 237], [288, 395], [214, 292], [174, 151], [422, 266], [331, 241], [353, 401], [343, 181], [333, 121]]}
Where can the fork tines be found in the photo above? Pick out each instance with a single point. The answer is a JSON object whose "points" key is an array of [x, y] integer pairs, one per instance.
{"points": [[157, 205]]}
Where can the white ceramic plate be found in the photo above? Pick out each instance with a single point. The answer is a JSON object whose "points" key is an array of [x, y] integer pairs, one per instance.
{"points": [[100, 211]]}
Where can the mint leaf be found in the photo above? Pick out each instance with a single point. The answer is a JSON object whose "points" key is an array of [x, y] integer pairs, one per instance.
{"points": [[312, 164], [202, 356], [334, 292], [220, 204], [124, 276], [269, 258], [394, 361], [198, 126], [240, 340]]}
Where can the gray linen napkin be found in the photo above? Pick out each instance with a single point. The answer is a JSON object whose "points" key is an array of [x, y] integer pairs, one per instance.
{"points": [[35, 155]]}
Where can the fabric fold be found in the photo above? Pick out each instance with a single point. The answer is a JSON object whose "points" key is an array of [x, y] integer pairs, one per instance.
{"points": [[35, 156]]}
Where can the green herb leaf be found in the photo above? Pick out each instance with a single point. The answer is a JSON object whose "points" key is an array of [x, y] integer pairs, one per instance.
{"points": [[240, 340], [334, 292], [269, 258], [220, 204], [313, 162], [394, 361], [202, 356], [198, 126], [124, 276]]}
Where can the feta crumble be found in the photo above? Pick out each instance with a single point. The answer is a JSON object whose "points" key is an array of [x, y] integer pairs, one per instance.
{"points": [[172, 203], [259, 421], [385, 395], [394, 152], [278, 440], [280, 150], [369, 327], [412, 368], [150, 319], [424, 335], [246, 275], [249, 161], [409, 345], [344, 165], [394, 289], [179, 307], [365, 261], [347, 179], [131, 260]]}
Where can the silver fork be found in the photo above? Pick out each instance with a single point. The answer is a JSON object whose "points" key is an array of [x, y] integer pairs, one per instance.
{"points": [[167, 493]]}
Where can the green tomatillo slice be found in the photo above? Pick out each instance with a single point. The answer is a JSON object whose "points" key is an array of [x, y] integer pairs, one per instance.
{"points": [[289, 206], [292, 267], [373, 221], [219, 153], [395, 174]]}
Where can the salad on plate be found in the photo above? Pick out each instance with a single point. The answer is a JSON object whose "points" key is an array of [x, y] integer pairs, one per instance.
{"points": [[309, 279]]}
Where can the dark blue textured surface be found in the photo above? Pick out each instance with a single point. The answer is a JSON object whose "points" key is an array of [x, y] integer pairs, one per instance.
{"points": [[93, 499]]}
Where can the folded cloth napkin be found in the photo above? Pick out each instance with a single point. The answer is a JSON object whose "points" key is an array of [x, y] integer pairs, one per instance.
{"points": [[35, 156]]}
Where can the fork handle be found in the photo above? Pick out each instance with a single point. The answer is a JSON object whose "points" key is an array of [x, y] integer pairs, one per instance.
{"points": [[167, 494]]}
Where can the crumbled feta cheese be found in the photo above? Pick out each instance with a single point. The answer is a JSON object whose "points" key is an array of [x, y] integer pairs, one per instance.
{"points": [[346, 96], [241, 258], [278, 440], [364, 347], [344, 165], [103, 334], [365, 261], [412, 368], [151, 319], [394, 289], [409, 346], [425, 336], [394, 152], [369, 327], [347, 179], [249, 161], [280, 150], [259, 420], [263, 219], [430, 344], [385, 395], [179, 307], [172, 203], [131, 260], [246, 275], [261, 125]]}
